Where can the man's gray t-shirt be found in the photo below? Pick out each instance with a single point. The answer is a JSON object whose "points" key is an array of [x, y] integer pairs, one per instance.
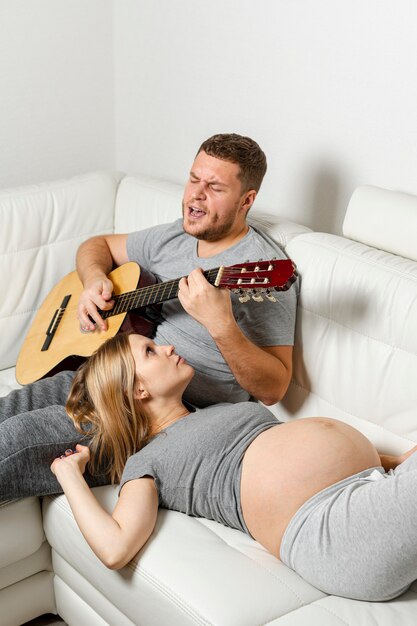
{"points": [[168, 252], [197, 461]]}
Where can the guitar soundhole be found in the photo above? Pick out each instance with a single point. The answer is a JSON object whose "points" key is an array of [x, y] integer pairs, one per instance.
{"points": [[137, 324]]}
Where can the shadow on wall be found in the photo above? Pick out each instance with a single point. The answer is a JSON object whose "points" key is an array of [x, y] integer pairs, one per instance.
{"points": [[325, 202]]}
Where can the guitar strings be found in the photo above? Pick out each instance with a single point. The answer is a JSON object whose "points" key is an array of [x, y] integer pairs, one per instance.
{"points": [[150, 294], [160, 292]]}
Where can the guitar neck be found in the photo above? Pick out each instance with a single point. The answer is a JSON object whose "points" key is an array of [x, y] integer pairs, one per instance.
{"points": [[152, 294]]}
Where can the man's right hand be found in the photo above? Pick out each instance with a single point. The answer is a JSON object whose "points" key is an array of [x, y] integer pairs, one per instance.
{"points": [[97, 294], [96, 257]]}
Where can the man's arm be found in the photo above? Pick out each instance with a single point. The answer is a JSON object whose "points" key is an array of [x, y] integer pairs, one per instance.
{"points": [[96, 257], [265, 372]]}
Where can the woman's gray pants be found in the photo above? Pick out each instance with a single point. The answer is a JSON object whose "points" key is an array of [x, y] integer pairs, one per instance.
{"points": [[34, 429], [358, 538]]}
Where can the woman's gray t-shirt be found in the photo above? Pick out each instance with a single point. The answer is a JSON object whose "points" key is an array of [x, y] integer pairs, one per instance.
{"points": [[168, 252], [197, 461]]}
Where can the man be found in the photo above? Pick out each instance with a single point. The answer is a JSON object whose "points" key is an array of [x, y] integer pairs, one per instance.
{"points": [[238, 350]]}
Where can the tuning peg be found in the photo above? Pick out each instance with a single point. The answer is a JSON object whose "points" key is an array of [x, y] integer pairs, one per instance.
{"points": [[270, 296], [244, 297], [257, 297]]}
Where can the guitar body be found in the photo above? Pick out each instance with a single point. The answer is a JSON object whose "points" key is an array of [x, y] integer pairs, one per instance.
{"points": [[68, 341]]}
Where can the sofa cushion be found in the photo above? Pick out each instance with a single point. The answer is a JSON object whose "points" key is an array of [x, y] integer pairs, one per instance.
{"points": [[195, 571], [21, 530], [28, 566], [355, 353], [281, 230], [143, 201], [8, 381], [383, 219], [191, 571], [44, 225], [28, 598]]}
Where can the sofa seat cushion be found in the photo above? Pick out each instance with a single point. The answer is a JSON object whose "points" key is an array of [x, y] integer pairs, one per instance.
{"points": [[39, 561], [21, 530], [191, 571], [195, 571], [8, 381]]}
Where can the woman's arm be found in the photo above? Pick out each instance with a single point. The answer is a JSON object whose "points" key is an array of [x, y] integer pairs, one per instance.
{"points": [[116, 538]]}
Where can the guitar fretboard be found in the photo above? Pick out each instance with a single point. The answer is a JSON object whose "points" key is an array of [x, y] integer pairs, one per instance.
{"points": [[152, 294]]}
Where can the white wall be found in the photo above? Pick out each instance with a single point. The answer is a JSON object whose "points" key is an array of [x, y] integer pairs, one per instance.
{"points": [[56, 89], [327, 87]]}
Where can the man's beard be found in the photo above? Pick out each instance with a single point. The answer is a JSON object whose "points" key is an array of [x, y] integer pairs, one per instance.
{"points": [[212, 232]]}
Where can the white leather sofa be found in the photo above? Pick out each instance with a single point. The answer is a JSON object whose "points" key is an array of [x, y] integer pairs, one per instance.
{"points": [[355, 359]]}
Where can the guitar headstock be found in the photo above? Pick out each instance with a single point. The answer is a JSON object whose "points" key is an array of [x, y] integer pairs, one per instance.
{"points": [[257, 279]]}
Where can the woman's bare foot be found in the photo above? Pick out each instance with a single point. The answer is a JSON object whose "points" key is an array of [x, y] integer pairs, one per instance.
{"points": [[405, 456]]}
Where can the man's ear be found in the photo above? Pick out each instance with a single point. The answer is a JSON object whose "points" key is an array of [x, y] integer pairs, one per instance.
{"points": [[248, 199]]}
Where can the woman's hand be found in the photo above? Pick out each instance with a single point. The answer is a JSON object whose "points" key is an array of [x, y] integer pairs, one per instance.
{"points": [[71, 460]]}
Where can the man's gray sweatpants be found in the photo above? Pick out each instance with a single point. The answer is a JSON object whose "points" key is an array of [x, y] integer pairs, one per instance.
{"points": [[358, 538], [34, 429]]}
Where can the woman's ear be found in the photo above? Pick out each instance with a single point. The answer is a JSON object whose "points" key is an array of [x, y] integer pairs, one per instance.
{"points": [[140, 392]]}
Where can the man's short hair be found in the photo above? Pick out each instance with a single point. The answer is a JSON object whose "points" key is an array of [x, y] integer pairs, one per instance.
{"points": [[243, 151]]}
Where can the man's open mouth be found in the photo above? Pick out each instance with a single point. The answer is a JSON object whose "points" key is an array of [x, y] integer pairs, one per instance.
{"points": [[195, 212]]}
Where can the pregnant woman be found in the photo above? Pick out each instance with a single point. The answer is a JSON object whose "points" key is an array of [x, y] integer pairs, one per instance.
{"points": [[314, 492]]}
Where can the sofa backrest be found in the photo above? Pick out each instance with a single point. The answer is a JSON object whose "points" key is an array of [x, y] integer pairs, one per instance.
{"points": [[143, 201], [383, 219], [356, 340], [41, 227]]}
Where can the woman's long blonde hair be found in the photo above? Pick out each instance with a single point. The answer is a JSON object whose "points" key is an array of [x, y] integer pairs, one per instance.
{"points": [[103, 406]]}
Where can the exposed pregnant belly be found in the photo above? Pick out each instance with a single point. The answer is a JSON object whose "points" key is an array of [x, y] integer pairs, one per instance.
{"points": [[287, 464]]}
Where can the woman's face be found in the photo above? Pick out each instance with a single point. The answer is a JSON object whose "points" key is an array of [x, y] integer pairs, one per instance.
{"points": [[162, 371]]}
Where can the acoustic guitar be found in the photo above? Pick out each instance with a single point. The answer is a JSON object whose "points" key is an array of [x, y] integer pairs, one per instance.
{"points": [[55, 340]]}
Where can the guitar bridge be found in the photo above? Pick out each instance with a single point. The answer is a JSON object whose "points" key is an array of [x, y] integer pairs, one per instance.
{"points": [[54, 323]]}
